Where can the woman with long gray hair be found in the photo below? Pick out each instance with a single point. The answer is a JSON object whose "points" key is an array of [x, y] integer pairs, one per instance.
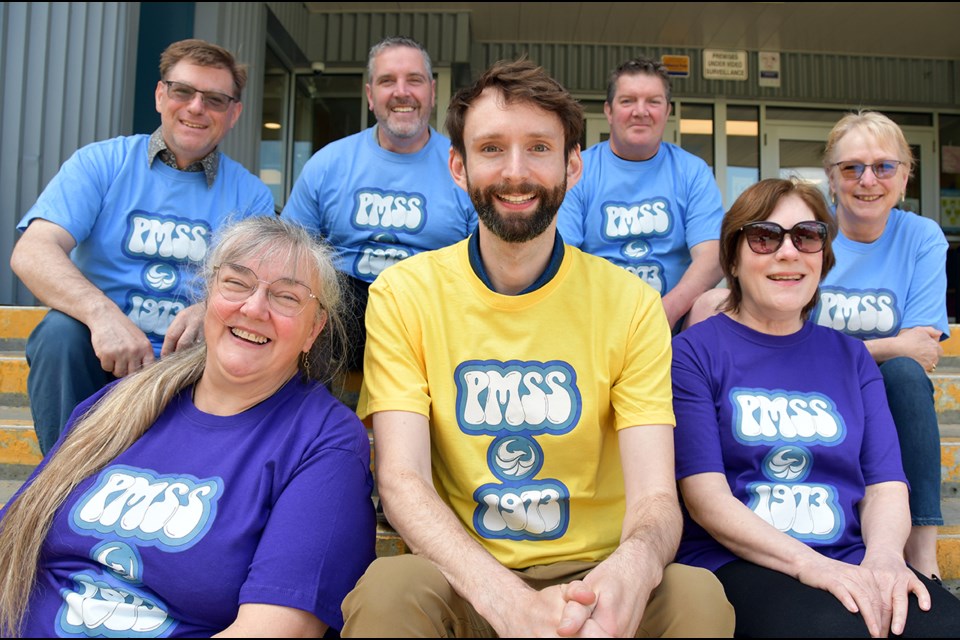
{"points": [[222, 489]]}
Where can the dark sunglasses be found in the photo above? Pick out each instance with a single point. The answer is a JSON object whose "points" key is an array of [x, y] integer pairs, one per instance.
{"points": [[764, 236], [882, 170]]}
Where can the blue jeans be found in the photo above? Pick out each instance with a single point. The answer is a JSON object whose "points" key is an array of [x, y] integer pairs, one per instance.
{"points": [[64, 370], [910, 395]]}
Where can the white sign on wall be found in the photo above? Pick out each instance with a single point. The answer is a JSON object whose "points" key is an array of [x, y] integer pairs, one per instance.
{"points": [[719, 64], [769, 66]]}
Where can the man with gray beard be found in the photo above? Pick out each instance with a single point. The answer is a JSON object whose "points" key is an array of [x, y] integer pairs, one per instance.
{"points": [[384, 194]]}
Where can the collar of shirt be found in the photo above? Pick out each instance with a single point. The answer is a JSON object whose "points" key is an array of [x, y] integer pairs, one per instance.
{"points": [[473, 250], [209, 164]]}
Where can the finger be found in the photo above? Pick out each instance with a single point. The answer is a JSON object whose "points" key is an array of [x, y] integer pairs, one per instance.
{"points": [[578, 591], [593, 630], [171, 342], [107, 363], [870, 614], [923, 596], [572, 619], [898, 619]]}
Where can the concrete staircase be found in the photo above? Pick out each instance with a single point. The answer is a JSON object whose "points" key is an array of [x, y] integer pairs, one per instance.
{"points": [[19, 452]]}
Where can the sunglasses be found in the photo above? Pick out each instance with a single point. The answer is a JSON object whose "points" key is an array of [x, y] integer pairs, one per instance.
{"points": [[213, 100], [882, 170], [808, 236]]}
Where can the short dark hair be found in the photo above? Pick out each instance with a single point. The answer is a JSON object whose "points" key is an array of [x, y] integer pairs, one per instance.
{"points": [[204, 54], [646, 66], [757, 203], [518, 81]]}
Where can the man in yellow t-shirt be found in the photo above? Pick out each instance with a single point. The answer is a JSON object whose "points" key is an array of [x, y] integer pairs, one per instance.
{"points": [[520, 397]]}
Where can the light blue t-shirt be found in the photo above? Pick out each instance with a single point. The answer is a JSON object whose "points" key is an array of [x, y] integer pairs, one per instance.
{"points": [[896, 282], [377, 207], [643, 216], [142, 231]]}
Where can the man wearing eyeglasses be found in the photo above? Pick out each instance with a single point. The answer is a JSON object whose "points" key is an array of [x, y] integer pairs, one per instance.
{"points": [[111, 242], [384, 194], [644, 204]]}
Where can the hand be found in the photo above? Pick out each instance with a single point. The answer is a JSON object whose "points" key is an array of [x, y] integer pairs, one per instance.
{"points": [[896, 582], [120, 345], [622, 596], [562, 610], [185, 331], [856, 587], [922, 344]]}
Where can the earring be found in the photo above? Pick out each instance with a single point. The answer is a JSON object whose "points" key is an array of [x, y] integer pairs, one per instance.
{"points": [[305, 361], [833, 198]]}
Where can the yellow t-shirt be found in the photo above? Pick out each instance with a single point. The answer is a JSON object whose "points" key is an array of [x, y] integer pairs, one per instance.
{"points": [[524, 394]]}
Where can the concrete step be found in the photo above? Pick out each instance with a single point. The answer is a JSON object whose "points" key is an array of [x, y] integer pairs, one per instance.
{"points": [[16, 323]]}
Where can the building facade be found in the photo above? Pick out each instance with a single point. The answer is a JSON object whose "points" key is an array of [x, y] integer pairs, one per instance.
{"points": [[77, 72]]}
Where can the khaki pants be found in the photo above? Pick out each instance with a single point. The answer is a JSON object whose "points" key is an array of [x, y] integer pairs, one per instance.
{"points": [[407, 597]]}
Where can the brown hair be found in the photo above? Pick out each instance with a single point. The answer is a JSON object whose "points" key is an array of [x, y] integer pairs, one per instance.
{"points": [[518, 81], [757, 203], [204, 54]]}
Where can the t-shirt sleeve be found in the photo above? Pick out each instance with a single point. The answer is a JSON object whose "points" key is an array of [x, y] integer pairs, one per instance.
{"points": [[696, 440], [926, 306], [319, 539], [571, 214], [641, 394], [704, 207], [303, 205], [467, 210], [73, 198], [880, 458], [394, 373]]}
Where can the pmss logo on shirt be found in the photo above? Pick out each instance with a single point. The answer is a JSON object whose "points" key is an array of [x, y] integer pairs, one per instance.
{"points": [[517, 401]]}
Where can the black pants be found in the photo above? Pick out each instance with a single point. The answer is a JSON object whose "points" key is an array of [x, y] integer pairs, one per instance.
{"points": [[356, 292], [770, 604]]}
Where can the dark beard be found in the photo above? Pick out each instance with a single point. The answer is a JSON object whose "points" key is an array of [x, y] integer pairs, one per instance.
{"points": [[517, 229]]}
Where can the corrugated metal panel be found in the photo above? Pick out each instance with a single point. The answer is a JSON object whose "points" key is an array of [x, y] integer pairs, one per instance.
{"points": [[67, 75], [242, 29], [295, 19], [346, 38], [806, 77]]}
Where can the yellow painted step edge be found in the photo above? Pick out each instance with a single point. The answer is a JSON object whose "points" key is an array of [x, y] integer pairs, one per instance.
{"points": [[18, 322]]}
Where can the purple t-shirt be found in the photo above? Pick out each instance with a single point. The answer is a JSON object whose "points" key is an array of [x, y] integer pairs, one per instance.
{"points": [[798, 424], [205, 513]]}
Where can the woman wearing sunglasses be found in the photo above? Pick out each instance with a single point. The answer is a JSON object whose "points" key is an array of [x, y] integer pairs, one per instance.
{"points": [[222, 489], [786, 453], [890, 289]]}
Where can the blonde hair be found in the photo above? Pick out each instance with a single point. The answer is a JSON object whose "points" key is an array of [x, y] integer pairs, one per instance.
{"points": [[127, 411], [884, 130]]}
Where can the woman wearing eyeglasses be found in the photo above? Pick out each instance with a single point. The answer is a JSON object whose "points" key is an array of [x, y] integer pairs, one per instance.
{"points": [[890, 289], [786, 454], [223, 489]]}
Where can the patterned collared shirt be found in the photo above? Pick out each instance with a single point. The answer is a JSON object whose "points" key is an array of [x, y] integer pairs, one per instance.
{"points": [[157, 148]]}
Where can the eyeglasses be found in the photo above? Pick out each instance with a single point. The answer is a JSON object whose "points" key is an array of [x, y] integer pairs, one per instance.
{"points": [[213, 100], [764, 236], [882, 170], [285, 296]]}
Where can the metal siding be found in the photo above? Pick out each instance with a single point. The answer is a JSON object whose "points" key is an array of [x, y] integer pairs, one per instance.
{"points": [[806, 77], [345, 38], [295, 19], [64, 72], [242, 29]]}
